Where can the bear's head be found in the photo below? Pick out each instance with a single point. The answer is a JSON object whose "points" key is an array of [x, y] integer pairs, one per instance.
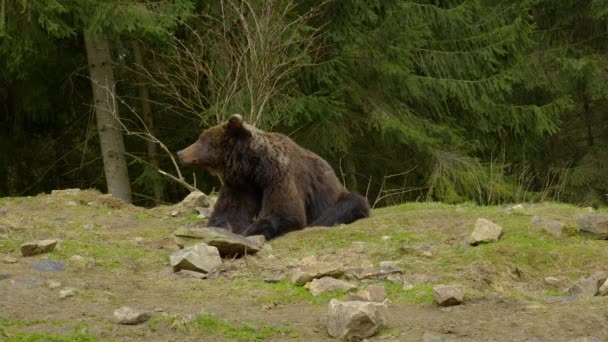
{"points": [[213, 145]]}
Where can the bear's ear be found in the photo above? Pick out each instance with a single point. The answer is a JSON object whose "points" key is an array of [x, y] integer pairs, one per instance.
{"points": [[235, 126]]}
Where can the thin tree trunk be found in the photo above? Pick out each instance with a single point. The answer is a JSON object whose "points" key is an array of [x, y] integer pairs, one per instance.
{"points": [[108, 126], [148, 120]]}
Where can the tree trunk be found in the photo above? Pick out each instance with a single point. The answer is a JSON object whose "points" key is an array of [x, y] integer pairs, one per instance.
{"points": [[148, 120], [108, 126]]}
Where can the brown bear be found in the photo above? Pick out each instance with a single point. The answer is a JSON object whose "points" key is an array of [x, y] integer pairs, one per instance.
{"points": [[270, 185]]}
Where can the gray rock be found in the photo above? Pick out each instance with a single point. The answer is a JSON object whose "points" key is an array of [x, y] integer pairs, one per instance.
{"points": [[485, 231], [603, 289], [228, 243], [328, 284], [199, 258], [395, 278], [49, 265], [553, 227], [310, 270], [38, 247], [355, 320], [584, 287], [594, 225], [127, 315], [378, 273], [196, 199], [374, 293], [448, 295], [553, 281], [67, 292], [9, 260]]}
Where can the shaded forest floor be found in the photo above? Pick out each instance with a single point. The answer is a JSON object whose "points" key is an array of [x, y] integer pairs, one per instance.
{"points": [[126, 252]]}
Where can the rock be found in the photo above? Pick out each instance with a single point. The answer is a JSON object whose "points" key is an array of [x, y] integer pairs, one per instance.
{"points": [[53, 284], [550, 226], [380, 273], [600, 277], [448, 295], [38, 247], [9, 260], [275, 278], [139, 240], [67, 292], [49, 266], [355, 320], [310, 270], [196, 199], [374, 293], [389, 264], [485, 231], [257, 240], [584, 287], [516, 208], [328, 284], [199, 258], [228, 243], [553, 281], [191, 274], [204, 212], [603, 289], [81, 262], [594, 225], [395, 278], [127, 315]]}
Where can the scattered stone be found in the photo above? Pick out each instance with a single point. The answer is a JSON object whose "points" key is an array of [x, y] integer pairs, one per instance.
{"points": [[67, 292], [448, 295], [328, 284], [485, 231], [275, 278], [127, 315], [228, 243], [594, 225], [584, 287], [49, 265], [196, 199], [562, 299], [374, 293], [199, 258], [407, 285], [380, 273], [9, 260], [191, 274], [38, 247], [553, 227], [553, 281], [395, 278], [81, 262], [53, 284], [258, 240], [355, 320], [603, 289], [311, 269]]}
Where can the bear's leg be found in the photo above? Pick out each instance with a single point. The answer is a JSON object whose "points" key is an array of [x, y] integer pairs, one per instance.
{"points": [[234, 209], [282, 211], [348, 208]]}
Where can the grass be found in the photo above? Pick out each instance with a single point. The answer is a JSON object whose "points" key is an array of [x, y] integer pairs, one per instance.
{"points": [[8, 334]]}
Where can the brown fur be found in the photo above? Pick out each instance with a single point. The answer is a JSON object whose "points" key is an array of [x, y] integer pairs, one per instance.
{"points": [[270, 184]]}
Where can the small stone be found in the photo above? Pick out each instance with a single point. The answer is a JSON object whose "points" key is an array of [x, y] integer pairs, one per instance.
{"points": [[227, 243], [407, 285], [584, 287], [328, 284], [199, 258], [191, 274], [88, 226], [594, 225], [127, 315], [380, 273], [81, 262], [516, 208], [174, 213], [603, 289], [553, 227], [204, 212], [9, 260], [49, 265], [139, 240], [310, 270], [386, 237], [395, 278], [53, 284], [67, 292], [275, 278], [485, 231], [448, 295], [389, 264], [355, 320], [71, 203], [374, 293], [195, 199], [427, 254], [38, 247], [553, 281]]}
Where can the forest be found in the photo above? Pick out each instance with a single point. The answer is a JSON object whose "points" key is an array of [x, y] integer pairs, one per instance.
{"points": [[455, 101]]}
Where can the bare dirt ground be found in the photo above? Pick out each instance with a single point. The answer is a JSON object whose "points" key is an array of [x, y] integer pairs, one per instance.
{"points": [[127, 251]]}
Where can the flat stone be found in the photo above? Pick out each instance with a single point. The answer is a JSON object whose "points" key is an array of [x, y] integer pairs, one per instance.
{"points": [[127, 315], [227, 243], [395, 278], [53, 284], [204, 212], [553, 281], [584, 287], [485, 231], [553, 227], [448, 295], [49, 265], [274, 278], [374, 293], [328, 284], [381, 272], [199, 258], [38, 247], [67, 292], [314, 270], [594, 225], [354, 319], [196, 199], [191, 274], [9, 260]]}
